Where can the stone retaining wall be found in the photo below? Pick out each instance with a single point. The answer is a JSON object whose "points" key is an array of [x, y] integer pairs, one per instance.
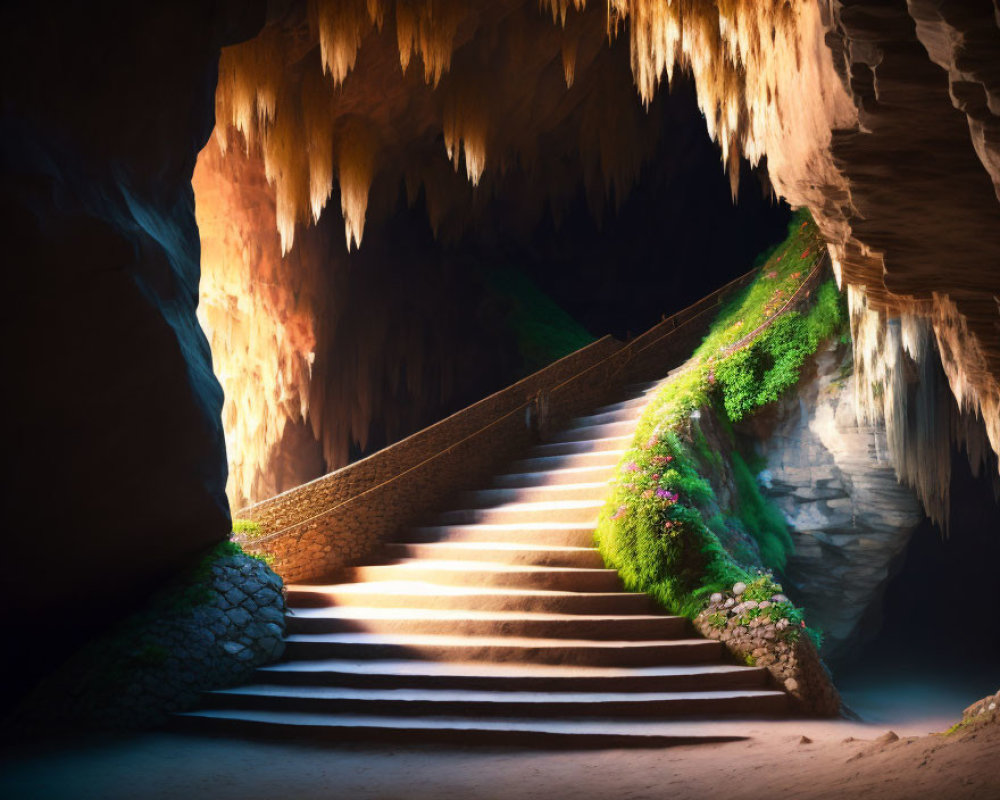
{"points": [[210, 628], [788, 655], [337, 520]]}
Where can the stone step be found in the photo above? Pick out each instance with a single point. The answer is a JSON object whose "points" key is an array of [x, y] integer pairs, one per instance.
{"points": [[571, 448], [416, 674], [634, 403], [482, 623], [556, 477], [629, 413], [471, 573], [567, 534], [501, 552], [575, 734], [416, 594], [480, 498], [541, 512], [582, 433], [471, 703], [607, 459], [427, 647]]}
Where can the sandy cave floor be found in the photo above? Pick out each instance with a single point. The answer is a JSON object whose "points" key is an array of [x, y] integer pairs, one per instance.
{"points": [[843, 759]]}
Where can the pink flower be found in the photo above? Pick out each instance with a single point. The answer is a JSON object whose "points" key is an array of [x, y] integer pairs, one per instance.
{"points": [[621, 512], [656, 476], [668, 525], [631, 467], [772, 274], [647, 494]]}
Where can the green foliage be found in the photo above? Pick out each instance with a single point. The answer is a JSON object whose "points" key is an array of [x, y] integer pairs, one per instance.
{"points": [[544, 331], [717, 619], [652, 530], [247, 528], [758, 373], [762, 519]]}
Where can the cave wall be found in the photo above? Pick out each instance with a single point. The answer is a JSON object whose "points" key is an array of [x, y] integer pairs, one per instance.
{"points": [[114, 456], [833, 480]]}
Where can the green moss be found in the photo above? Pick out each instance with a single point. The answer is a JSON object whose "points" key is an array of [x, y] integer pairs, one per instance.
{"points": [[761, 518], [758, 373], [717, 620], [247, 528], [544, 331], [652, 530]]}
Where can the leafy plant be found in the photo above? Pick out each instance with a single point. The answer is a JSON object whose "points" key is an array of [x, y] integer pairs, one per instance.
{"points": [[652, 530]]}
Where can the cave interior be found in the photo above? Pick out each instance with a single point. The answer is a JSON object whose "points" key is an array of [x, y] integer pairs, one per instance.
{"points": [[232, 276]]}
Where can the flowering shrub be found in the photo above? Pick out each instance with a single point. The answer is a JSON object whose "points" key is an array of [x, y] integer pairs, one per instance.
{"points": [[651, 529]]}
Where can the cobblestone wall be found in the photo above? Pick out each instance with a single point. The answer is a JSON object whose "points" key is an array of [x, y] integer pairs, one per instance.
{"points": [[789, 656], [210, 628]]}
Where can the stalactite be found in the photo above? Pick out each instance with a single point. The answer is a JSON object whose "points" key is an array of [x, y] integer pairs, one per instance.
{"points": [[427, 28], [260, 326], [355, 169], [899, 382], [299, 97], [340, 27], [466, 125]]}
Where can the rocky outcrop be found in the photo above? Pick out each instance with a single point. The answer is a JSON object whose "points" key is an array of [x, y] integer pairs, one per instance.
{"points": [[849, 516], [985, 711], [114, 456]]}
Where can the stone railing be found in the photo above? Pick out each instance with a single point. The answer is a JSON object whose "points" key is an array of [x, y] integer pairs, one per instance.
{"points": [[338, 519]]}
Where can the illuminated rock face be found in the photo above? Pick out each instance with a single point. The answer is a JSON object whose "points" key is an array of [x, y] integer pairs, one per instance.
{"points": [[113, 447], [882, 118], [834, 481]]}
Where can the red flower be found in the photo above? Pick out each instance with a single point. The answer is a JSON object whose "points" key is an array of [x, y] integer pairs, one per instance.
{"points": [[805, 252]]}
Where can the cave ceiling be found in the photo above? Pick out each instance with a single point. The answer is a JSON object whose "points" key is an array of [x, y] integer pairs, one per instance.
{"points": [[882, 118]]}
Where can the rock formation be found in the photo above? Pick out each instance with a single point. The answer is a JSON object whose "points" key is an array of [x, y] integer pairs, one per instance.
{"points": [[833, 480], [114, 457]]}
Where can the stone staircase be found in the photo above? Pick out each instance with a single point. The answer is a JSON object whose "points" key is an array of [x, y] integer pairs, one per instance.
{"points": [[497, 621]]}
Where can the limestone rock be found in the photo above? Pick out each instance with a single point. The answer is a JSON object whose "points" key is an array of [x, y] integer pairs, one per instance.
{"points": [[849, 516]]}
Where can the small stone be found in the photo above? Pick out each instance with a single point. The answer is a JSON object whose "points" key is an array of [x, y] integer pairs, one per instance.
{"points": [[791, 685], [716, 598], [233, 648], [235, 596], [271, 614], [805, 740], [239, 616], [739, 587], [730, 603], [779, 598], [887, 737]]}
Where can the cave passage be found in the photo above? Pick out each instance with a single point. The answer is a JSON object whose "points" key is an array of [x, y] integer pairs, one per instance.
{"points": [[936, 645]]}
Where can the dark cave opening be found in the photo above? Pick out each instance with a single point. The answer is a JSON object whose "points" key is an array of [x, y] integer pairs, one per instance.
{"points": [[521, 287], [934, 643]]}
